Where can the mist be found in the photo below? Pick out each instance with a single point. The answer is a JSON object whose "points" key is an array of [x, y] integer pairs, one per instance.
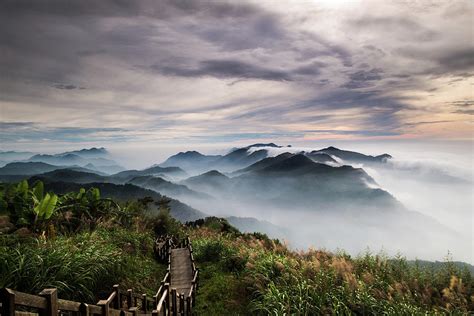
{"points": [[432, 179], [422, 208]]}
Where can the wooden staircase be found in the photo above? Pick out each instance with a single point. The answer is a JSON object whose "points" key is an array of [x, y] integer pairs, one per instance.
{"points": [[176, 295]]}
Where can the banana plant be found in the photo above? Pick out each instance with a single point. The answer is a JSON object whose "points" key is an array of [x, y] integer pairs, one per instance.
{"points": [[46, 207], [44, 204]]}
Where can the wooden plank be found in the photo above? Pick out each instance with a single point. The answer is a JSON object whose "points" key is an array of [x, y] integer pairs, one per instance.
{"points": [[65, 305], [162, 301], [29, 300], [18, 313], [95, 310]]}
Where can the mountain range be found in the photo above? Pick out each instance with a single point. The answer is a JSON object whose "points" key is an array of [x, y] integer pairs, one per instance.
{"points": [[301, 195], [94, 159]]}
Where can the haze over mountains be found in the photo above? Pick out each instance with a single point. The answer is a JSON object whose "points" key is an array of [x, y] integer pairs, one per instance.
{"points": [[322, 197]]}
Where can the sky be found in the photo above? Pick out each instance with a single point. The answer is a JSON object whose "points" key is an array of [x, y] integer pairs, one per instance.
{"points": [[81, 73]]}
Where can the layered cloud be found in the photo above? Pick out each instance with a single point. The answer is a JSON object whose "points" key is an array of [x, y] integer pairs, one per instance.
{"points": [[207, 71]]}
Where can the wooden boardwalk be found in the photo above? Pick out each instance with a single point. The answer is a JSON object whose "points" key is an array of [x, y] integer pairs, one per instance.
{"points": [[181, 272], [176, 295]]}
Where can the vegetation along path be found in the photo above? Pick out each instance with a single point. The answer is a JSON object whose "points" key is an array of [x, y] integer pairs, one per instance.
{"points": [[175, 296]]}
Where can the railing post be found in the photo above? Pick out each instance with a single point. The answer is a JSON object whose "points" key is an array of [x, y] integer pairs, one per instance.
{"points": [[144, 303], [188, 306], [181, 303], [84, 309], [167, 299], [129, 298], [105, 307], [7, 298], [51, 296], [174, 302], [133, 310], [117, 300]]}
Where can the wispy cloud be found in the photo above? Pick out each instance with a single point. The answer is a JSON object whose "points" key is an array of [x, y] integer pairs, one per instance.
{"points": [[167, 70]]}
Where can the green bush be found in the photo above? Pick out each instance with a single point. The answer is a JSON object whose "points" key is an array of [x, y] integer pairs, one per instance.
{"points": [[80, 266], [209, 250]]}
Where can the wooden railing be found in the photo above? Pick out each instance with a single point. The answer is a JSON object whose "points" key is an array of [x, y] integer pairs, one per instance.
{"points": [[47, 303], [167, 300], [118, 303]]}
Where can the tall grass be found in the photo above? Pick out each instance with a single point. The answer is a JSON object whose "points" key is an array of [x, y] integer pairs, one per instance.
{"points": [[274, 280], [82, 265]]}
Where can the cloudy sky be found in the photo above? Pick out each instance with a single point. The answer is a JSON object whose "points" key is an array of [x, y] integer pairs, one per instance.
{"points": [[210, 72]]}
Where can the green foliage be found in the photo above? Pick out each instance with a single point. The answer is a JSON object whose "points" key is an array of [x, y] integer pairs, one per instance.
{"points": [[215, 223], [80, 266], [28, 206], [45, 208], [100, 243], [272, 280], [220, 293], [163, 223], [209, 250]]}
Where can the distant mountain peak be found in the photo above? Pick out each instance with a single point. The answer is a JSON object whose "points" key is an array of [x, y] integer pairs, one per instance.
{"points": [[92, 150], [330, 148], [189, 153], [264, 145], [293, 162], [213, 173], [352, 155]]}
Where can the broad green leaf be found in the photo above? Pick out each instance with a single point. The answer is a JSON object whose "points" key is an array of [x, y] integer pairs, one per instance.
{"points": [[46, 208], [95, 194], [23, 188], [50, 207], [38, 190], [81, 193]]}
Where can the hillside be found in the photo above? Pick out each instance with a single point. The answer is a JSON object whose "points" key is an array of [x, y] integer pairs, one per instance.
{"points": [[127, 175], [128, 192], [167, 188], [85, 249], [26, 168], [352, 156]]}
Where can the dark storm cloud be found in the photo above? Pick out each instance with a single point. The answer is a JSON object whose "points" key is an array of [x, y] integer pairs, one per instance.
{"points": [[14, 125], [363, 78], [462, 60], [224, 69], [468, 112], [427, 123], [256, 29], [313, 69], [462, 103], [120, 8], [320, 47], [383, 109], [451, 61], [65, 86], [303, 59], [463, 106], [29, 131], [354, 132], [374, 49]]}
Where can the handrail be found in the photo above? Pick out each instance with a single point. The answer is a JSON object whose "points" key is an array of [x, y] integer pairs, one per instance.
{"points": [[166, 299], [48, 303]]}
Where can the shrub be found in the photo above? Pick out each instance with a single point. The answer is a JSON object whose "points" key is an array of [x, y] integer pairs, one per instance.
{"points": [[209, 250]]}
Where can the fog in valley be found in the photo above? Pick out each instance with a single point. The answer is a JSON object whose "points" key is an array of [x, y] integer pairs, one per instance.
{"points": [[396, 197], [430, 179]]}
